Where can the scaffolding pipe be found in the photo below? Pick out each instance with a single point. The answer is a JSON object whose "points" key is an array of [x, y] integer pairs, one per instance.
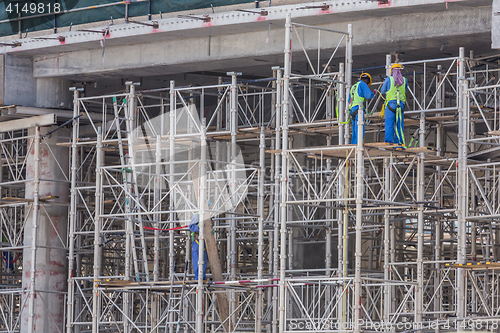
{"points": [[234, 187], [97, 233], [284, 171], [360, 170], [260, 243], [202, 204], [277, 175], [461, 185], [73, 211], [171, 180], [36, 208]]}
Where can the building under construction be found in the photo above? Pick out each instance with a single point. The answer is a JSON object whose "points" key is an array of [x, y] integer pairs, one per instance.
{"points": [[123, 121]]}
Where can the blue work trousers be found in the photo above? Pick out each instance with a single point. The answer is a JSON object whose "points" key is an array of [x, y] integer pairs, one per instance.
{"points": [[195, 256], [354, 136], [390, 120]]}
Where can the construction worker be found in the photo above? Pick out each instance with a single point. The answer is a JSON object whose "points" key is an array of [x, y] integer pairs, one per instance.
{"points": [[395, 89], [195, 247], [359, 93]]}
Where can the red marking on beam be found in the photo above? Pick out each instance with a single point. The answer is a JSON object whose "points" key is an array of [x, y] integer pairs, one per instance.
{"points": [[261, 18], [383, 4]]}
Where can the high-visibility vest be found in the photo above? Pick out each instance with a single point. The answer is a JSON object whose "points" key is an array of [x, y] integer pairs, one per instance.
{"points": [[392, 94], [355, 98]]}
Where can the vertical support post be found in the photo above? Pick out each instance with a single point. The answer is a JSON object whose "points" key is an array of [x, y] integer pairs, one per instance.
{"points": [[341, 193], [284, 171], [171, 180], [420, 236], [233, 222], [277, 163], [97, 234], [328, 245], [387, 198], [260, 243], [73, 212], [360, 170], [387, 268], [202, 207], [157, 217], [348, 77], [36, 204], [341, 103], [419, 294], [461, 185], [438, 291]]}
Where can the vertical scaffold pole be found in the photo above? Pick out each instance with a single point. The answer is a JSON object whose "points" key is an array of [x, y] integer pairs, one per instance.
{"points": [[360, 170], [420, 227], [171, 180], [260, 243], [387, 198], [461, 185], [202, 205], [419, 305], [341, 193], [36, 203], [157, 217], [97, 232], [277, 163], [348, 78], [72, 213], [438, 291], [234, 186], [284, 171]]}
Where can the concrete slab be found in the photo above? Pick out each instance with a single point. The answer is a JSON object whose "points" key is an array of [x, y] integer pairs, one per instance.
{"points": [[402, 33]]}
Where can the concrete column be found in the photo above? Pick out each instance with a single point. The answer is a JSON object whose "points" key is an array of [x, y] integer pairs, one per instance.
{"points": [[51, 234], [53, 93]]}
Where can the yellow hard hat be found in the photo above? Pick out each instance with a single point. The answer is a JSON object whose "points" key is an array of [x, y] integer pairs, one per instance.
{"points": [[396, 65], [366, 75]]}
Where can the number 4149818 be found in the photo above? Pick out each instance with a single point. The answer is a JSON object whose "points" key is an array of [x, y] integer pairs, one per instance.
{"points": [[33, 8]]}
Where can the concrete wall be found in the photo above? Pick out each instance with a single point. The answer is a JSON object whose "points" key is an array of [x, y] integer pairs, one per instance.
{"points": [[18, 86], [18, 81], [53, 93]]}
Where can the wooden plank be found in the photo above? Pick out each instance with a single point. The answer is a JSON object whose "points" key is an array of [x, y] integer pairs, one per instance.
{"points": [[478, 265], [18, 124], [213, 253]]}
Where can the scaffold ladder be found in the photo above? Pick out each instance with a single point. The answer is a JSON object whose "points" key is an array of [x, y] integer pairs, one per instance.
{"points": [[487, 244], [172, 309], [131, 189]]}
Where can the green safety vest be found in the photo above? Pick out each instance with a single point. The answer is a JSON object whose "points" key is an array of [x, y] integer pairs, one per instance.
{"points": [[392, 94], [355, 98], [398, 94]]}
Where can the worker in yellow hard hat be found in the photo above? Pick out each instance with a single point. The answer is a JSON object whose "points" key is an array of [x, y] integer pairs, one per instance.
{"points": [[360, 92], [395, 89]]}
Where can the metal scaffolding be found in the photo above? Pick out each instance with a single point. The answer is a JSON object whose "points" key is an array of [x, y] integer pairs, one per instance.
{"points": [[304, 231]]}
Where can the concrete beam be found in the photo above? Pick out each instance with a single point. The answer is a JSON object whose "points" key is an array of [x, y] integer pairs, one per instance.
{"points": [[18, 124], [246, 49], [230, 23]]}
